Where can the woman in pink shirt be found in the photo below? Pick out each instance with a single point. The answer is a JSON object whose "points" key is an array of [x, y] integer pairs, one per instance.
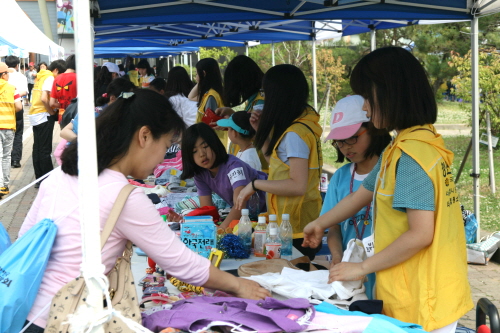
{"points": [[133, 134]]}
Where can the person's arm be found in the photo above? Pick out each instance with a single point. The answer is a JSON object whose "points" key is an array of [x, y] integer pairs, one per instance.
{"points": [[193, 94], [334, 241], [234, 213], [205, 200], [67, 133], [18, 105], [296, 185], [347, 207], [419, 236], [45, 98], [244, 288], [225, 111], [54, 103]]}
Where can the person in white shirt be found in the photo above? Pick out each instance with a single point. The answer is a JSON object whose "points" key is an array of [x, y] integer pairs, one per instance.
{"points": [[177, 89], [19, 81], [30, 77], [42, 118], [241, 133]]}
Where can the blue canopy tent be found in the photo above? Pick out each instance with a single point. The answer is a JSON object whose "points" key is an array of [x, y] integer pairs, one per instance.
{"points": [[7, 49], [122, 12]]}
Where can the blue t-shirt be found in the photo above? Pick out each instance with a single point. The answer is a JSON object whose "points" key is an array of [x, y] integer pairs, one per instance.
{"points": [[338, 189], [232, 174], [292, 145], [414, 188]]}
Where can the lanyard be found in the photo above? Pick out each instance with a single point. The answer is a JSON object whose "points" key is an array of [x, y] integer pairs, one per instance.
{"points": [[360, 237]]}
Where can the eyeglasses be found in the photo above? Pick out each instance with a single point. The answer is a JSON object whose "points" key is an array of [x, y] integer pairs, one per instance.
{"points": [[350, 141]]}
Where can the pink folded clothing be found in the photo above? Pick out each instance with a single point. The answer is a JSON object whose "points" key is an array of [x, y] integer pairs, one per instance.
{"points": [[165, 210], [136, 183], [175, 162]]}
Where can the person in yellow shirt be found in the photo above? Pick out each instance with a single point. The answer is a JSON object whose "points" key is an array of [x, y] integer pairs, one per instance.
{"points": [[418, 247], [133, 75], [208, 92], [288, 133], [10, 103]]}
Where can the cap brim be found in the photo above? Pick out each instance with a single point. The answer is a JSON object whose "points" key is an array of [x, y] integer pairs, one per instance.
{"points": [[343, 132], [228, 122]]}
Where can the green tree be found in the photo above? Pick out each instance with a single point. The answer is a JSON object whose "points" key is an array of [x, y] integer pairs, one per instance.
{"points": [[223, 55], [329, 70], [489, 83]]}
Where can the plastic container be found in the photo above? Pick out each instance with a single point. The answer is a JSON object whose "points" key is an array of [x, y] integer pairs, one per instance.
{"points": [[253, 205], [286, 234], [273, 244], [259, 237], [245, 230], [272, 224]]}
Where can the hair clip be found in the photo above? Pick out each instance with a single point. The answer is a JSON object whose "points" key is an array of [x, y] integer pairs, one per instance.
{"points": [[126, 95], [105, 95]]}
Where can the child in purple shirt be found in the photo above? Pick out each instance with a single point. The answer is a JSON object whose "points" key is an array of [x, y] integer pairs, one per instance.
{"points": [[214, 170]]}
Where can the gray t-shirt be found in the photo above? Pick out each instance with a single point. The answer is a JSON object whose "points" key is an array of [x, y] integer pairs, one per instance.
{"points": [[292, 145]]}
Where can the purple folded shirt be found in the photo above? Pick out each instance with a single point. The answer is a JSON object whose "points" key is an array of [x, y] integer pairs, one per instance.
{"points": [[269, 315]]}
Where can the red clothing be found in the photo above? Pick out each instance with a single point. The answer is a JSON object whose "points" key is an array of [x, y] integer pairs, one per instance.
{"points": [[64, 89]]}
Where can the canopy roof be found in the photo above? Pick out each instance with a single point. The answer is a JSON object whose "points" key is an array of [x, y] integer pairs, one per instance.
{"points": [[15, 21], [199, 11]]}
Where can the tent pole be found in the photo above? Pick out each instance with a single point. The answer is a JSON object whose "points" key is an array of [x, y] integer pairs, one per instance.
{"points": [[475, 117], [87, 163], [272, 54], [246, 49], [168, 63], [490, 153], [42, 5], [173, 61], [373, 40], [315, 92], [190, 65]]}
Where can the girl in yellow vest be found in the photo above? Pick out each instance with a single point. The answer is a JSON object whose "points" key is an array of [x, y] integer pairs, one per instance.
{"points": [[243, 83], [208, 91], [288, 133], [418, 248]]}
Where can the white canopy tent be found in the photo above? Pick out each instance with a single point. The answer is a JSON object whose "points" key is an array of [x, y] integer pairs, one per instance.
{"points": [[15, 21]]}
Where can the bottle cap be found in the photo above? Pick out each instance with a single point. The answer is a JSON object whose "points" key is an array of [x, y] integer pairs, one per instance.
{"points": [[272, 217], [244, 211], [273, 231], [285, 217], [262, 220]]}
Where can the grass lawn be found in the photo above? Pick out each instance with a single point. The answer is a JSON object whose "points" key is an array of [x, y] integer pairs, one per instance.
{"points": [[452, 113]]}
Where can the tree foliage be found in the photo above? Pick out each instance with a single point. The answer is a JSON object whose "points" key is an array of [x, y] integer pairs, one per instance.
{"points": [[223, 55], [489, 83], [330, 70]]}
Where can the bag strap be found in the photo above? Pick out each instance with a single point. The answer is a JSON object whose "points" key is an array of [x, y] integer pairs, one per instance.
{"points": [[115, 212]]}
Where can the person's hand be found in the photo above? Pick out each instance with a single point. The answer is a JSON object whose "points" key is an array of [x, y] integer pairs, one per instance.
{"points": [[313, 235], [251, 290], [225, 112], [255, 120], [346, 271], [244, 195], [174, 217]]}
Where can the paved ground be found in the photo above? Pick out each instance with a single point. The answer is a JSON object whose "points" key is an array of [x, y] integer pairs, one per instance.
{"points": [[484, 280]]}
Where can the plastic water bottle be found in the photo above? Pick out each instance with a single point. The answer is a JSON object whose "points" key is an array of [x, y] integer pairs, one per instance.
{"points": [[272, 224], [286, 236], [259, 237], [245, 230], [273, 244]]}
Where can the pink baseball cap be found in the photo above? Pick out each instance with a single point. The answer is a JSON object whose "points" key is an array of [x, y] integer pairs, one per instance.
{"points": [[347, 117]]}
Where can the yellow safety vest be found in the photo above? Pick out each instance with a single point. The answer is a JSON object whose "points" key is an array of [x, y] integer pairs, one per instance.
{"points": [[431, 288], [201, 112], [234, 148], [7, 106], [37, 106], [306, 208]]}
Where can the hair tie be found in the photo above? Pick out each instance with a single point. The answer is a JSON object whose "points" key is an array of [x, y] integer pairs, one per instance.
{"points": [[126, 95], [105, 95]]}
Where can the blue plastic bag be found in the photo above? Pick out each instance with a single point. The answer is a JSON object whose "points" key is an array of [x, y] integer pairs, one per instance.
{"points": [[4, 239], [22, 267], [470, 228]]}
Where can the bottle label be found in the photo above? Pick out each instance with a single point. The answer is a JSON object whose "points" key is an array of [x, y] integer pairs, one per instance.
{"points": [[273, 251], [259, 238]]}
